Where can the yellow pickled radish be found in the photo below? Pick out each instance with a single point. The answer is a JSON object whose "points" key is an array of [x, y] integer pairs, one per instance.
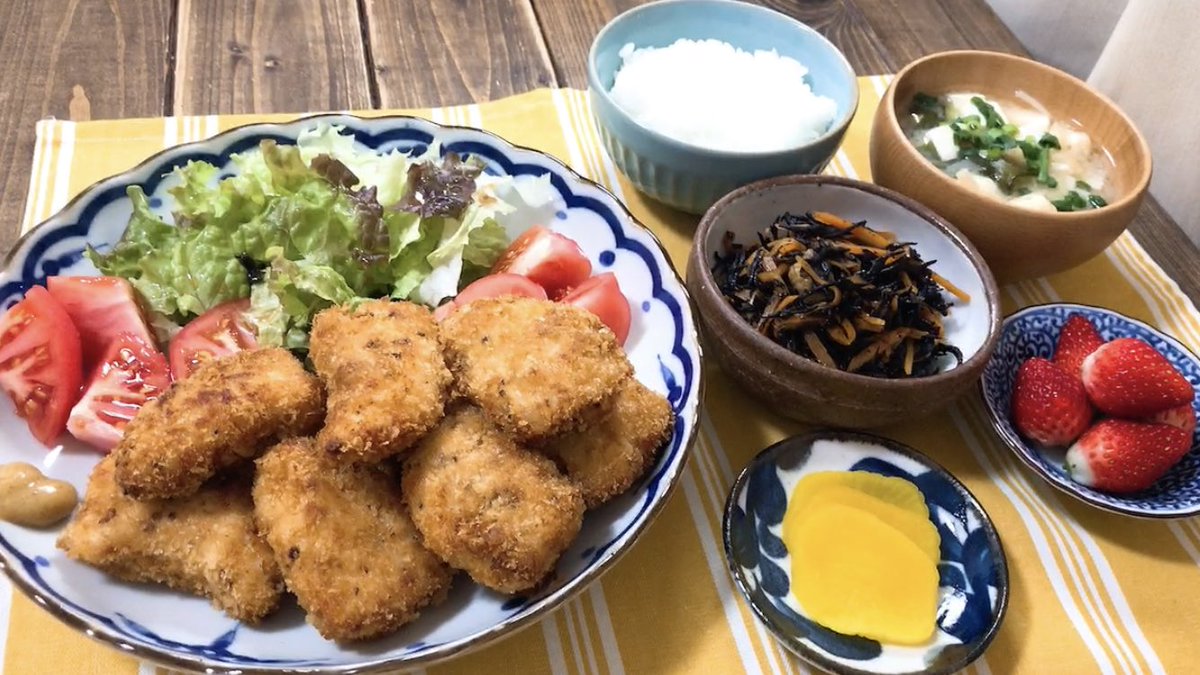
{"points": [[918, 528], [895, 491], [856, 574]]}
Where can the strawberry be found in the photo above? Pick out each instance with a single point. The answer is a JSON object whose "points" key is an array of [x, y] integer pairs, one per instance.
{"points": [[1076, 340], [1181, 417], [1126, 456], [1049, 406], [1129, 378]]}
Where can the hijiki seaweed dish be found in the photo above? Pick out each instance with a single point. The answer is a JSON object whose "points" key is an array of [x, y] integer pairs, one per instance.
{"points": [[841, 294]]}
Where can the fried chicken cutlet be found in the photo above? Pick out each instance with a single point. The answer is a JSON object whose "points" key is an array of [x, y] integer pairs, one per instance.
{"points": [[345, 543], [205, 543], [387, 380], [606, 458], [535, 368], [222, 414], [500, 512]]}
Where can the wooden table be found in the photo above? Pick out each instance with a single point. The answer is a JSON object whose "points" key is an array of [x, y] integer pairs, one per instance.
{"points": [[93, 59]]}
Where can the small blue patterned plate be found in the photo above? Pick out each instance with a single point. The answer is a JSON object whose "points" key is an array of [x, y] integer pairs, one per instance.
{"points": [[1032, 332], [973, 572]]}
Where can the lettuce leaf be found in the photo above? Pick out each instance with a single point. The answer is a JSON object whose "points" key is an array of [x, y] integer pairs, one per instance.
{"points": [[298, 228], [179, 271], [292, 292], [455, 247]]}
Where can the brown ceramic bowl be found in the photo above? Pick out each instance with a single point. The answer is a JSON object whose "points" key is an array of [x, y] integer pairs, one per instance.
{"points": [[1017, 243], [792, 385]]}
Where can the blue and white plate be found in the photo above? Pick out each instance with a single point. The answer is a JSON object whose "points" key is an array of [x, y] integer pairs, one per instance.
{"points": [[973, 572], [186, 632], [1032, 332]]}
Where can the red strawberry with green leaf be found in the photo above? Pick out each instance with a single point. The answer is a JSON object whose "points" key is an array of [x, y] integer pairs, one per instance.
{"points": [[1181, 416], [1049, 405], [1129, 378], [1125, 456], [1077, 339]]}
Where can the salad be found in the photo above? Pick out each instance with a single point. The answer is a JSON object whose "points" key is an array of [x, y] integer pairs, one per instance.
{"points": [[252, 257], [299, 228]]}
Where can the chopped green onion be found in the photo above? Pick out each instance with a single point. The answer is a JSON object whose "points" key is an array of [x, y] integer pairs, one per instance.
{"points": [[994, 121], [986, 141], [1072, 201]]}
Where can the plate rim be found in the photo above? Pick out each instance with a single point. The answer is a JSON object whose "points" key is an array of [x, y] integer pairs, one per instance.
{"points": [[1024, 453], [801, 650], [453, 649]]}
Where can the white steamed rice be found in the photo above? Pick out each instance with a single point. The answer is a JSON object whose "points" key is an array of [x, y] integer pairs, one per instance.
{"points": [[708, 93]]}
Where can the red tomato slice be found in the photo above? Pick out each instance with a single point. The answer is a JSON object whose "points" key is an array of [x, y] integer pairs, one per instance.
{"points": [[131, 374], [444, 310], [491, 286], [40, 363], [101, 308], [601, 295], [551, 260], [221, 331]]}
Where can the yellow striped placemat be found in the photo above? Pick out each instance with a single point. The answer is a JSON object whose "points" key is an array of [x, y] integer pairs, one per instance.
{"points": [[1091, 591]]}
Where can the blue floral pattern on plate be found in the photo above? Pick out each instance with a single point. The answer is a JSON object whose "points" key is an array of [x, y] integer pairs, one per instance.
{"points": [[1033, 332], [185, 632], [973, 571]]}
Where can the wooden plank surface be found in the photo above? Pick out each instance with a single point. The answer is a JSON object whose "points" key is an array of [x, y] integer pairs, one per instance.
{"points": [[72, 59], [845, 26], [465, 51], [910, 29], [570, 27], [1169, 246], [241, 56]]}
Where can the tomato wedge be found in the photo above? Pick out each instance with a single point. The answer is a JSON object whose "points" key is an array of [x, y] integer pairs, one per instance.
{"points": [[491, 286], [444, 310], [131, 374], [101, 308], [551, 260], [221, 331], [601, 295], [40, 363]]}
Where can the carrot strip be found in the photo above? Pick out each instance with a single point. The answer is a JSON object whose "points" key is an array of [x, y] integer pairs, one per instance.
{"points": [[950, 288], [863, 235]]}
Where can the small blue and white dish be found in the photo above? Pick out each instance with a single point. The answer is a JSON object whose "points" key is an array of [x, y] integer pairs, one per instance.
{"points": [[973, 571], [1033, 332], [185, 632]]}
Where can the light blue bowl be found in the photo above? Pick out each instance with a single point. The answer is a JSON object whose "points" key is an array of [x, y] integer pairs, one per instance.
{"points": [[690, 177]]}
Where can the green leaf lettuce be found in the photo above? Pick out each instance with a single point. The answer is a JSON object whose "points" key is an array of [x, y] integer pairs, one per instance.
{"points": [[325, 222]]}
